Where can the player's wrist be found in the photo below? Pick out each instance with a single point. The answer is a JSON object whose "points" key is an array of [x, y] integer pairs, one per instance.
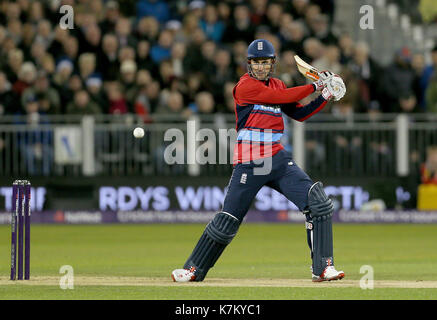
{"points": [[326, 94]]}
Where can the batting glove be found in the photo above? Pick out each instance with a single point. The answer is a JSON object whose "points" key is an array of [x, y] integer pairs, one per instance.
{"points": [[325, 77], [337, 87]]}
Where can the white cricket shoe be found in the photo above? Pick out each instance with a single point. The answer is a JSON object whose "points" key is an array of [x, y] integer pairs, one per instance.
{"points": [[329, 274], [183, 275]]}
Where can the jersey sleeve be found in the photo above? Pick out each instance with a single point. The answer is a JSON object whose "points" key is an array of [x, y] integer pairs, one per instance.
{"points": [[301, 112], [255, 92]]}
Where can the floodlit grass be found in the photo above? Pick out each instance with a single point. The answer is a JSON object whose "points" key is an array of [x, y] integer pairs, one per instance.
{"points": [[259, 251]]}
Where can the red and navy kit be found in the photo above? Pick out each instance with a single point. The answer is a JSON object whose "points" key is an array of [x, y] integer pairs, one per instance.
{"points": [[258, 109]]}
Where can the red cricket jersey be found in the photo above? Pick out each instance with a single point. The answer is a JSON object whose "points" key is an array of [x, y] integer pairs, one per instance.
{"points": [[258, 111]]}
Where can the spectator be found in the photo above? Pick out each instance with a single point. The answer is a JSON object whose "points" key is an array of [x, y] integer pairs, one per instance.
{"points": [[166, 74], [368, 75], [44, 33], [330, 60], [109, 59], [142, 105], [258, 12], [28, 36], [48, 64], [194, 52], [194, 85], [196, 8], [204, 103], [15, 61], [346, 45], [297, 8], [239, 55], [428, 75], [94, 86], [38, 51], [292, 36], [229, 104], [156, 8], [87, 65], [14, 27], [431, 95], [240, 28], [26, 78], [287, 71], [313, 49], [143, 59], [408, 103], [117, 101], [60, 82], [398, 77], [82, 104], [143, 79], [74, 84], [173, 104], [7, 99], [48, 97], [222, 73], [71, 49], [177, 58], [208, 49], [126, 53], [148, 29], [36, 144], [418, 64], [92, 41], [273, 14], [428, 170], [123, 30], [36, 12], [211, 26], [161, 51], [127, 82], [112, 14], [224, 12], [319, 28]]}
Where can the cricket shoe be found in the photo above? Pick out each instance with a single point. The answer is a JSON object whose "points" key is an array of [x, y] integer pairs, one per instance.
{"points": [[329, 274], [183, 275]]}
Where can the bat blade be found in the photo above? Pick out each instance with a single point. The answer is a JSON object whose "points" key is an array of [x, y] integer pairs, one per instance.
{"points": [[306, 69]]}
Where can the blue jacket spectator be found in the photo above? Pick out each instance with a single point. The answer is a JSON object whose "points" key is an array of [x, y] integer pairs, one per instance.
{"points": [[162, 50], [157, 8], [211, 26]]}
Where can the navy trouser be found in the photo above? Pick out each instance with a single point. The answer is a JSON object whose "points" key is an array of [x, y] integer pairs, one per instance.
{"points": [[285, 177]]}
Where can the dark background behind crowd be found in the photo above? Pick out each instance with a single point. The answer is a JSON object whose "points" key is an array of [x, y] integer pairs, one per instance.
{"points": [[182, 57]]}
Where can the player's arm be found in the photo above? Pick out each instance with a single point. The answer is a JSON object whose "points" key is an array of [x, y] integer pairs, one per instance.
{"points": [[255, 92], [334, 90], [301, 112]]}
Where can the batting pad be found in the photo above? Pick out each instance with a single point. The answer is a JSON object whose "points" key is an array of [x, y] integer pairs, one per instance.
{"points": [[321, 209], [217, 235]]}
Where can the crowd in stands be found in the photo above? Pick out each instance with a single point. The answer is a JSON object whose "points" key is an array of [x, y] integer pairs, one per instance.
{"points": [[183, 57]]}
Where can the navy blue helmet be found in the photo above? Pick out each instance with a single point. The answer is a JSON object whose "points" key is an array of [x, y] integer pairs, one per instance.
{"points": [[258, 49], [261, 48]]}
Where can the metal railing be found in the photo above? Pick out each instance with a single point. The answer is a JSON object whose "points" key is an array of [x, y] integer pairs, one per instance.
{"points": [[388, 145]]}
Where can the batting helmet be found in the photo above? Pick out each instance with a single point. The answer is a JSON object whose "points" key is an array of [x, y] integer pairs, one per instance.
{"points": [[261, 48], [258, 49]]}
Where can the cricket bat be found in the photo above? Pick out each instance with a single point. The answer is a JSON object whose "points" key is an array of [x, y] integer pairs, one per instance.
{"points": [[306, 69]]}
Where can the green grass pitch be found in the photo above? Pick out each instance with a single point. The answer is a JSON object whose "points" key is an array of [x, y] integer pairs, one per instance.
{"points": [[264, 261]]}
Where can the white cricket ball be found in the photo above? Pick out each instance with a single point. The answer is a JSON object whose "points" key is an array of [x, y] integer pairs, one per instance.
{"points": [[139, 132]]}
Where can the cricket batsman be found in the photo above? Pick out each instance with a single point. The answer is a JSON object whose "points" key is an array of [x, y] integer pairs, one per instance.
{"points": [[260, 100]]}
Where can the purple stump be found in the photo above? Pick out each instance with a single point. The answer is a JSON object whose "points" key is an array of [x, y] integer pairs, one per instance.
{"points": [[27, 232], [14, 230], [20, 230]]}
